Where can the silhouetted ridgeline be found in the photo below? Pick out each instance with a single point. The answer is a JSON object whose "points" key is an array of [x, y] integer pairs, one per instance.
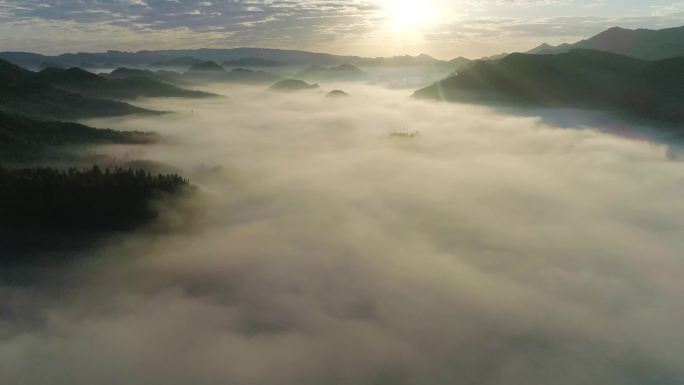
{"points": [[646, 44], [289, 85], [86, 83], [187, 58], [21, 91], [211, 71], [579, 79], [207, 66]]}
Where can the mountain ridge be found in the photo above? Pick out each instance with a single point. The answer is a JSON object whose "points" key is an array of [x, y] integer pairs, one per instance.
{"points": [[186, 57], [23, 92], [645, 44], [585, 79]]}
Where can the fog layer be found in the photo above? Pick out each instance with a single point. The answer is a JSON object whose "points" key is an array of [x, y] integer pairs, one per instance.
{"points": [[489, 250]]}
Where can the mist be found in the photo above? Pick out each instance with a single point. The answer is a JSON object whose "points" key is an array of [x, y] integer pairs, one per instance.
{"points": [[490, 249]]}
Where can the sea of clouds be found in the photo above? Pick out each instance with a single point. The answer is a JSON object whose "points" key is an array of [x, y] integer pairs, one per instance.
{"points": [[491, 249]]}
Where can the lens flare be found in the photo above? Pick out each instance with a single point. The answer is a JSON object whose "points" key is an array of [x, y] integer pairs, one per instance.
{"points": [[409, 15]]}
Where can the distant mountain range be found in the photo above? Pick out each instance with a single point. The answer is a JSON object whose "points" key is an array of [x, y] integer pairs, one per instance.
{"points": [[342, 72], [23, 92], [243, 57], [643, 44], [580, 78], [213, 72], [252, 62], [164, 76], [131, 87]]}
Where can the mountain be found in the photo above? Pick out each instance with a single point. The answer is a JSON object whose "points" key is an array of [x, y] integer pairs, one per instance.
{"points": [[212, 72], [337, 94], [291, 57], [170, 77], [27, 59], [22, 138], [187, 58], [398, 61], [96, 66], [51, 65], [93, 85], [252, 62], [11, 73], [293, 85], [181, 62], [665, 79], [579, 79], [547, 49], [207, 66], [495, 57], [205, 71], [22, 91], [345, 72], [540, 49], [645, 44], [74, 76], [459, 63]]}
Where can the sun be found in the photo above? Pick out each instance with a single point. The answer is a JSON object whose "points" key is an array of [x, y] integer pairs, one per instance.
{"points": [[408, 15]]}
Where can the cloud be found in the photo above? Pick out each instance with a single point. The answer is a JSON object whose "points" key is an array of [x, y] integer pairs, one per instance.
{"points": [[349, 27], [493, 249], [674, 8], [192, 15]]}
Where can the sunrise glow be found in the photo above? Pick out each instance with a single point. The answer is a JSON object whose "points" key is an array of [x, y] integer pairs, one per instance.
{"points": [[410, 15]]}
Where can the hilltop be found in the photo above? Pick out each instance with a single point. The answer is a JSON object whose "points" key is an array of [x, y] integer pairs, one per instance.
{"points": [[293, 85]]}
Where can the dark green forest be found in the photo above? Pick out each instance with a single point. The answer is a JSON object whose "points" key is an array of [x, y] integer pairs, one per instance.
{"points": [[69, 206], [95, 199], [45, 209], [26, 139]]}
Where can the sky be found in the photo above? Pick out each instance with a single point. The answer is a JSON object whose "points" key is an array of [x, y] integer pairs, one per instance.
{"points": [[441, 28]]}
